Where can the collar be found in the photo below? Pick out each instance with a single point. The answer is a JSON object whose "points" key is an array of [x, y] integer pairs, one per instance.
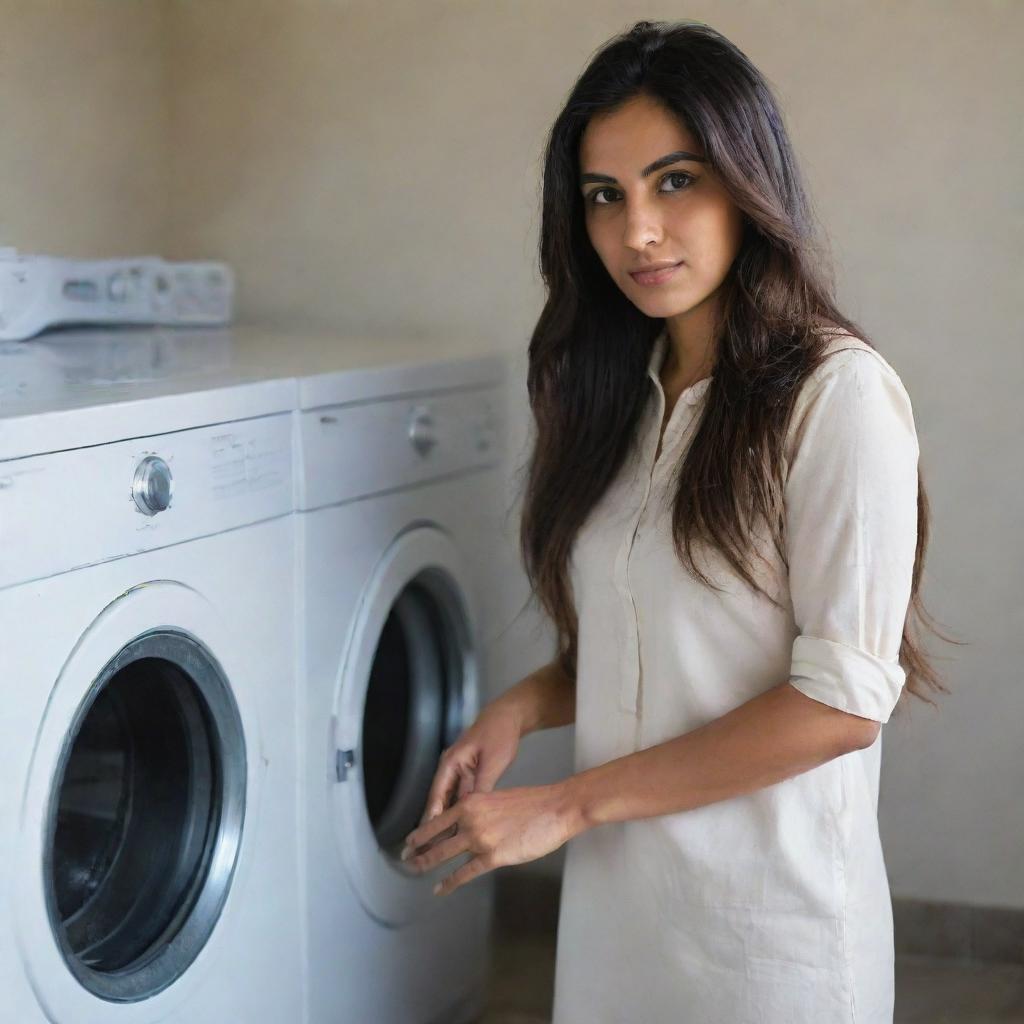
{"points": [[690, 395], [658, 355]]}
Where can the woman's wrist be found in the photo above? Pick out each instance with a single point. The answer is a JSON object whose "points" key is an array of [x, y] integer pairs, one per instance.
{"points": [[511, 702], [544, 699], [573, 809]]}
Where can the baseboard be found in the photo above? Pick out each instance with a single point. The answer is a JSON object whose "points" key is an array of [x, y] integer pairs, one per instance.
{"points": [[959, 931], [527, 904]]}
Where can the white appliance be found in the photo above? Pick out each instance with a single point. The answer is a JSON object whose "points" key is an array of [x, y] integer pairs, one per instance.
{"points": [[147, 742], [37, 292], [399, 497]]}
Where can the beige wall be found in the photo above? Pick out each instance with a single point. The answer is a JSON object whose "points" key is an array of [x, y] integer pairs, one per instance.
{"points": [[363, 164], [83, 124], [375, 166]]}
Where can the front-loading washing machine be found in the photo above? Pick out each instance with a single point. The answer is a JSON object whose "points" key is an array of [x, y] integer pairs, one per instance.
{"points": [[399, 502], [147, 741]]}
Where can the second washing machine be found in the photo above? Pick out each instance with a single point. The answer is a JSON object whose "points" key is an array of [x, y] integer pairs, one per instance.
{"points": [[399, 500]]}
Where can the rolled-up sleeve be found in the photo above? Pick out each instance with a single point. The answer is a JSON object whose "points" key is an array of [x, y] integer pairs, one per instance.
{"points": [[851, 533]]}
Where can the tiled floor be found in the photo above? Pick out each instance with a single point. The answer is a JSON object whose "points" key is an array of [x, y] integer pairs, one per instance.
{"points": [[927, 991]]}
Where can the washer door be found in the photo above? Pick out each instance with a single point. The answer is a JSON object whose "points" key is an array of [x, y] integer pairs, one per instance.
{"points": [[145, 817], [131, 822], [408, 688]]}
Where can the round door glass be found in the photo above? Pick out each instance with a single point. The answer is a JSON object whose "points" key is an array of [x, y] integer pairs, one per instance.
{"points": [[411, 713], [147, 800]]}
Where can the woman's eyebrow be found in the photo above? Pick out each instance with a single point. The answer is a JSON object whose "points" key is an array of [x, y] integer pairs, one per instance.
{"points": [[664, 161]]}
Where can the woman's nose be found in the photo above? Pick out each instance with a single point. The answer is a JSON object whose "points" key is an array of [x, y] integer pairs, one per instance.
{"points": [[642, 228]]}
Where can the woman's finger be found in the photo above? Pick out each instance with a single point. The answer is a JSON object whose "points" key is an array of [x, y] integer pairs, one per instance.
{"points": [[467, 782], [440, 850], [441, 792]]}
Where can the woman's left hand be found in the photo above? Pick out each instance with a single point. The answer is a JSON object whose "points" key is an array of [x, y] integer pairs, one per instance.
{"points": [[502, 827]]}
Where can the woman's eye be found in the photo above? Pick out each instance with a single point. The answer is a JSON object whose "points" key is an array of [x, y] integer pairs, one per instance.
{"points": [[679, 174], [688, 178]]}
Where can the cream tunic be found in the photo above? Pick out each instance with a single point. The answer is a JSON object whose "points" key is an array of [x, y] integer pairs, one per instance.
{"points": [[771, 907]]}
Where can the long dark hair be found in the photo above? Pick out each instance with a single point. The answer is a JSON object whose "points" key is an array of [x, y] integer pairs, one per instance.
{"points": [[589, 351]]}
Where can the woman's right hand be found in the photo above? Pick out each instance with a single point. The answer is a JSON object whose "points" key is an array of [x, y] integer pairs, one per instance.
{"points": [[477, 759]]}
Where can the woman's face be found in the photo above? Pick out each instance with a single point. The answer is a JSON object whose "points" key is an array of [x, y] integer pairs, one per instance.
{"points": [[678, 211]]}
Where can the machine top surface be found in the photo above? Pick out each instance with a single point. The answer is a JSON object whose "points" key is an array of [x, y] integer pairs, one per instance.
{"points": [[74, 388]]}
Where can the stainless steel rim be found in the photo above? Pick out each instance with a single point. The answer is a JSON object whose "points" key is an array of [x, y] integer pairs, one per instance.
{"points": [[434, 626], [121, 960]]}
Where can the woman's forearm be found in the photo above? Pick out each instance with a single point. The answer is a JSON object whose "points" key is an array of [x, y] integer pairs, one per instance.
{"points": [[778, 734], [545, 699]]}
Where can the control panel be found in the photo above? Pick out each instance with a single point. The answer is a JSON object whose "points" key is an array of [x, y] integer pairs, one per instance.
{"points": [[361, 448], [87, 505]]}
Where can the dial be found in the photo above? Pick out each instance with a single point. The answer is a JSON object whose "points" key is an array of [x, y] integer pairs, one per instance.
{"points": [[421, 429], [153, 485]]}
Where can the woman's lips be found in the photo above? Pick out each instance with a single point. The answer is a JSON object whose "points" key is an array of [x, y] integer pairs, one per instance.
{"points": [[656, 276]]}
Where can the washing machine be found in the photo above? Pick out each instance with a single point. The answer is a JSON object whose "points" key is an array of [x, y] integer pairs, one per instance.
{"points": [[399, 501], [148, 740]]}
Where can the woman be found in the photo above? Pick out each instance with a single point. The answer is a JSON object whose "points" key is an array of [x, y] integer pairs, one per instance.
{"points": [[725, 521]]}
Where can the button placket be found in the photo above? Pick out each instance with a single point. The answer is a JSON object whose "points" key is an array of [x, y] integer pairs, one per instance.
{"points": [[679, 423], [630, 667]]}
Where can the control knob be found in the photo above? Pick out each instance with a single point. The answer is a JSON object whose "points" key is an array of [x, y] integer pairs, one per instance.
{"points": [[421, 430], [152, 486]]}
